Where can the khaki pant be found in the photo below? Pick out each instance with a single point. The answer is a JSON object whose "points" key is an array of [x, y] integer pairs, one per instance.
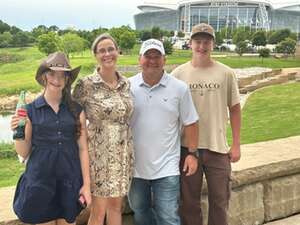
{"points": [[217, 170]]}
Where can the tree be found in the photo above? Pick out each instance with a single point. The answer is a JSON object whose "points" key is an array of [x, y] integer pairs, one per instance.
{"points": [[49, 43], [4, 27], [53, 28], [72, 43], [264, 53], [96, 32], [39, 30], [127, 40], [21, 39], [240, 35], [87, 36], [226, 33], [219, 39], [116, 32], [145, 35], [280, 35], [5, 39], [259, 38], [287, 46], [168, 47], [14, 30], [166, 33], [180, 34], [241, 47], [156, 33], [67, 30]]}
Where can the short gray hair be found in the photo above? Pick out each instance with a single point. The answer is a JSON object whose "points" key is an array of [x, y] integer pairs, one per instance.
{"points": [[100, 38]]}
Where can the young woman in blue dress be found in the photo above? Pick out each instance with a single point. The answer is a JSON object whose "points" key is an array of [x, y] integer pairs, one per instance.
{"points": [[56, 178]]}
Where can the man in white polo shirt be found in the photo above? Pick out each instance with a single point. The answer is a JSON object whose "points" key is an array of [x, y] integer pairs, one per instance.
{"points": [[162, 105]]}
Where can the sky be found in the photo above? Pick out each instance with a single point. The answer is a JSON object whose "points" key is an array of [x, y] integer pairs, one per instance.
{"points": [[81, 14]]}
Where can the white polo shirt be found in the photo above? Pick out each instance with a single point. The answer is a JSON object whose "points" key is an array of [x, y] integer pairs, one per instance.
{"points": [[159, 113]]}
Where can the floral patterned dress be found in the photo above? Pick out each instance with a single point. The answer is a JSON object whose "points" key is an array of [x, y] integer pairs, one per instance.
{"points": [[108, 112]]}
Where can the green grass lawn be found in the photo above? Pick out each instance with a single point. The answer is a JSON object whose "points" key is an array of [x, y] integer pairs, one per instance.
{"points": [[271, 113], [7, 150], [10, 171], [10, 168], [20, 75]]}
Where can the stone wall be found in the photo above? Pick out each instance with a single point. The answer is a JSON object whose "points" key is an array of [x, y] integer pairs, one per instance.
{"points": [[262, 194], [259, 194]]}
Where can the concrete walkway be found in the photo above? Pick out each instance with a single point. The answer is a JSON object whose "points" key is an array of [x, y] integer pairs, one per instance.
{"points": [[253, 155], [6, 198], [293, 220], [263, 153]]}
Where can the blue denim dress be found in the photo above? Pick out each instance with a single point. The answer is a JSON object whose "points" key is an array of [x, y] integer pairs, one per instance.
{"points": [[49, 187]]}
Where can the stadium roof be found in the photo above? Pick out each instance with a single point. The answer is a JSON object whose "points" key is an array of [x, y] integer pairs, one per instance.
{"points": [[174, 4]]}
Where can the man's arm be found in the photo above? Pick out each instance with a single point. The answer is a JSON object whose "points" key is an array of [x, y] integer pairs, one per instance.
{"points": [[191, 140], [235, 122], [191, 134]]}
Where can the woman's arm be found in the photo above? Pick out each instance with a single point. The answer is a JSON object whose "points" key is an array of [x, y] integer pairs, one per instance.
{"points": [[84, 159], [23, 147]]}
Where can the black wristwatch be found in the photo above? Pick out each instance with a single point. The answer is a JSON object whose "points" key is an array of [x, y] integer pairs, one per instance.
{"points": [[194, 152]]}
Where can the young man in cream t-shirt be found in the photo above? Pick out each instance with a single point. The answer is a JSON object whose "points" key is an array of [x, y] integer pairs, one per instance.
{"points": [[215, 94]]}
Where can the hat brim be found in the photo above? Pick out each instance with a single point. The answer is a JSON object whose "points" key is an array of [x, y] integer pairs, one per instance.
{"points": [[43, 67], [150, 48], [202, 32]]}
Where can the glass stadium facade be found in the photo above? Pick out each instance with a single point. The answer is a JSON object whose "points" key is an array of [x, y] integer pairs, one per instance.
{"points": [[256, 14]]}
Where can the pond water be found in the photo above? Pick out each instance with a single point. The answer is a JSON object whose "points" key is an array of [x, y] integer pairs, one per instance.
{"points": [[5, 132]]}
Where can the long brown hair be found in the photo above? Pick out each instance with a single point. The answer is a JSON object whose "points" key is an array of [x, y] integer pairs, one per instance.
{"points": [[72, 106]]}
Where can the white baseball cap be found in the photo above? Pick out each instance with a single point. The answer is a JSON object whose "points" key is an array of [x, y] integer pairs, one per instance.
{"points": [[152, 44]]}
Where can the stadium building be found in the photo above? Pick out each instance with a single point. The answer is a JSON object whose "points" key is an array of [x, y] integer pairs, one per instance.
{"points": [[256, 14]]}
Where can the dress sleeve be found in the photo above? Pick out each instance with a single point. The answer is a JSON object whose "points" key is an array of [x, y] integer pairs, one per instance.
{"points": [[29, 111]]}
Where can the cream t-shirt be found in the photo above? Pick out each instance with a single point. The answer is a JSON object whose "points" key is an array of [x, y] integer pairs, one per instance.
{"points": [[214, 90]]}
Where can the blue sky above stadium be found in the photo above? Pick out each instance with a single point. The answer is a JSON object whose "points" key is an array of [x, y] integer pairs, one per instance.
{"points": [[81, 14]]}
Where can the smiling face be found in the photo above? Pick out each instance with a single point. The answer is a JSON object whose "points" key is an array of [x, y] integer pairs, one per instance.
{"points": [[106, 53], [202, 45], [152, 62], [55, 81]]}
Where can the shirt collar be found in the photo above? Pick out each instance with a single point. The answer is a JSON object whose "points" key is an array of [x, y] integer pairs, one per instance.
{"points": [[163, 81], [41, 102], [97, 79]]}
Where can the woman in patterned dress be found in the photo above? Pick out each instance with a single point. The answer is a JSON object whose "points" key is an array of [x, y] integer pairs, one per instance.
{"points": [[106, 99]]}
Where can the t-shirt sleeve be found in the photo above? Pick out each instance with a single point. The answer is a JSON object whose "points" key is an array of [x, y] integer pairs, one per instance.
{"points": [[233, 91], [79, 93], [175, 73], [188, 113]]}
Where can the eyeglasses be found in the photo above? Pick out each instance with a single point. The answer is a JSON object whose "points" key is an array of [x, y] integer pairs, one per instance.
{"points": [[102, 51]]}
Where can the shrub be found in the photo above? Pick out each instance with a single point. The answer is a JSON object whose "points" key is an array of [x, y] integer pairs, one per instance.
{"points": [[287, 46], [10, 58], [168, 47], [264, 53]]}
